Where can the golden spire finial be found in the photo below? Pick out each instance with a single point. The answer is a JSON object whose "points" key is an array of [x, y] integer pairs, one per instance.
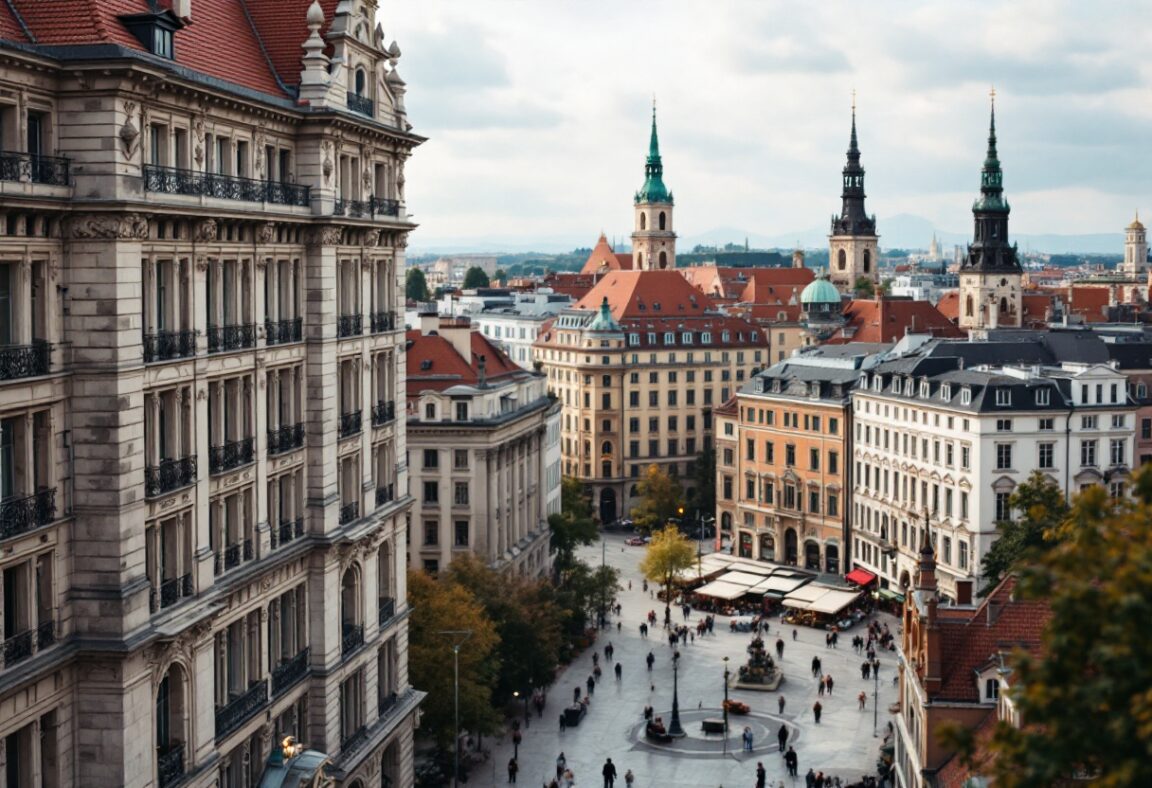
{"points": [[992, 94]]}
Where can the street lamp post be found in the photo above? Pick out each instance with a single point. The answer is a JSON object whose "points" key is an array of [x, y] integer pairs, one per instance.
{"points": [[463, 635], [725, 705], [875, 699], [674, 728]]}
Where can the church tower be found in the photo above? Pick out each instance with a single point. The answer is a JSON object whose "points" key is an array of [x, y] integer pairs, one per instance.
{"points": [[990, 295], [852, 245], [1135, 248], [653, 242]]}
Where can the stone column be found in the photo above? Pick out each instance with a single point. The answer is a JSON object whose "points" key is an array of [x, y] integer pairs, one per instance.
{"points": [[320, 403]]}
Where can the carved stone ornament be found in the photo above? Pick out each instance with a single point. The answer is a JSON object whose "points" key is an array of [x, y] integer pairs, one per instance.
{"points": [[372, 238], [198, 149], [367, 180], [326, 236], [326, 166], [201, 263], [266, 233], [129, 134], [206, 230], [128, 226], [402, 241]]}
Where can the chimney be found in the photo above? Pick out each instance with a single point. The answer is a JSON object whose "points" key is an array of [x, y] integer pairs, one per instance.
{"points": [[458, 331], [182, 8], [797, 258], [428, 321]]}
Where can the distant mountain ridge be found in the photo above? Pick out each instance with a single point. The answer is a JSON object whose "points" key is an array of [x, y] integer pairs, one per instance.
{"points": [[901, 231]]}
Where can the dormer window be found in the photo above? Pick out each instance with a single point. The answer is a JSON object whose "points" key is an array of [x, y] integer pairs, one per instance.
{"points": [[946, 392], [966, 396], [1003, 397], [155, 31], [1043, 397], [925, 389]]}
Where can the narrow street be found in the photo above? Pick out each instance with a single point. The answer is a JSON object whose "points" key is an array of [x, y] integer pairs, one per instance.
{"points": [[842, 744]]}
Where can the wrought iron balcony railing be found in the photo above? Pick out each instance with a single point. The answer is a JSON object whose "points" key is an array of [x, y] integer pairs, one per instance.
{"points": [[169, 475], [170, 765], [387, 609], [172, 180], [351, 423], [281, 332], [285, 438], [287, 531], [15, 166], [167, 345], [233, 555], [352, 639], [231, 455], [372, 207], [171, 591], [361, 104], [349, 325], [386, 494], [22, 646], [25, 361], [20, 515], [241, 708], [289, 671], [237, 337], [382, 321], [383, 412], [349, 512]]}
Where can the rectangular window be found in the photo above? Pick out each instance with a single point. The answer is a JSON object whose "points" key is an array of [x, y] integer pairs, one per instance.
{"points": [[461, 411], [1088, 422], [789, 496], [460, 459], [1088, 453], [750, 450], [1046, 455], [1146, 429], [1003, 425], [813, 459], [963, 505], [1003, 397], [672, 399], [1003, 507], [431, 458], [769, 492], [653, 399], [833, 505], [833, 426], [431, 533], [947, 549], [789, 455], [461, 533], [460, 494], [1047, 425], [750, 489], [727, 488], [431, 492], [963, 550], [814, 501], [1116, 451], [1118, 421], [1003, 456], [633, 424], [606, 400], [633, 449]]}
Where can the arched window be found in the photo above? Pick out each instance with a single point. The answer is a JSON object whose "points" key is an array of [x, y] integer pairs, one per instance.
{"points": [[663, 221], [663, 260], [841, 260], [171, 740], [606, 447], [639, 260], [351, 625], [968, 306], [643, 221], [867, 261], [1003, 306], [360, 80]]}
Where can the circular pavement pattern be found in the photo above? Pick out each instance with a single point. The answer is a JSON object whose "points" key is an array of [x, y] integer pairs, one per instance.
{"points": [[698, 744]]}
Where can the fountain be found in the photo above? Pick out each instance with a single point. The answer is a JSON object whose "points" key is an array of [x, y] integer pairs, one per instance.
{"points": [[760, 673]]}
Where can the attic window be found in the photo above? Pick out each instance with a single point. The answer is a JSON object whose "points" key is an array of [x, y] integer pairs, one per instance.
{"points": [[155, 31], [426, 364], [966, 396], [655, 306]]}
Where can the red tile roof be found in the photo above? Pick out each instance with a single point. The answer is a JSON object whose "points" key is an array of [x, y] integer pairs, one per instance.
{"points": [[572, 284], [225, 39], [889, 319], [949, 305], [955, 773], [10, 29], [604, 258], [1036, 308], [752, 285], [768, 313], [434, 363], [1090, 303], [649, 294]]}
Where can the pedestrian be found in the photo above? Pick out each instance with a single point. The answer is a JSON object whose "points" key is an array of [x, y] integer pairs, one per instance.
{"points": [[791, 761], [780, 703], [761, 775], [513, 767], [780, 648], [563, 722], [569, 778], [865, 669], [645, 585], [629, 585], [816, 709], [609, 772], [609, 650], [782, 737], [810, 779], [747, 735], [819, 667], [819, 779], [820, 688], [650, 659], [828, 640], [561, 763], [828, 681], [793, 634], [619, 670], [591, 684], [863, 698], [576, 694], [628, 778], [815, 666], [595, 658]]}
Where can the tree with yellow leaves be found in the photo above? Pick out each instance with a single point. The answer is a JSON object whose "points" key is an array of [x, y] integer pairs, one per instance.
{"points": [[669, 553]]}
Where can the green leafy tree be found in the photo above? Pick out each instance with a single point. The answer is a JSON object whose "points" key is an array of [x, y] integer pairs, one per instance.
{"points": [[501, 275], [864, 288], [1086, 698], [437, 607], [1042, 508], [527, 621], [668, 554], [415, 285], [572, 526], [475, 277], [661, 499], [585, 592]]}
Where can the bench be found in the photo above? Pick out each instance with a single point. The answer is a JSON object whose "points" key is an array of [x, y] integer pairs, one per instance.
{"points": [[712, 725]]}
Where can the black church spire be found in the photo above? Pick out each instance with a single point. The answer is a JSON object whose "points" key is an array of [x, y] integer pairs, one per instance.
{"points": [[990, 250], [853, 220]]}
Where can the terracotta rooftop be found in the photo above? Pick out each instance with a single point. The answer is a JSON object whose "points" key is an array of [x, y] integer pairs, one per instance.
{"points": [[604, 258], [648, 294], [752, 285], [889, 319], [434, 363], [949, 305], [249, 43]]}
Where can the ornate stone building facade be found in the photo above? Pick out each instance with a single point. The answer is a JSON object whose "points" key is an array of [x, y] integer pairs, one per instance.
{"points": [[484, 438], [202, 525]]}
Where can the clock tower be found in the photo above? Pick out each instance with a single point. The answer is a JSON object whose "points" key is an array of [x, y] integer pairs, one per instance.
{"points": [[653, 241], [853, 243]]}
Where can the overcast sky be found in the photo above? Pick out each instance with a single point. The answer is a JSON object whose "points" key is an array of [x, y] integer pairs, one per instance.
{"points": [[538, 112]]}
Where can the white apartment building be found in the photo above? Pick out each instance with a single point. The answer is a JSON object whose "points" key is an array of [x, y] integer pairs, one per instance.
{"points": [[939, 449], [484, 443], [202, 533]]}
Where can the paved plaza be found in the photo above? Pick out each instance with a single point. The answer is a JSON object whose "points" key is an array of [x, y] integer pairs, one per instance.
{"points": [[842, 744]]}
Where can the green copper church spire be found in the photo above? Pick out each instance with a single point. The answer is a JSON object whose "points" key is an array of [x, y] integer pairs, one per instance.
{"points": [[991, 176], [653, 189]]}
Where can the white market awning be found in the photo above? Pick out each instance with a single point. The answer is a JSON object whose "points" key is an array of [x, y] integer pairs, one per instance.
{"points": [[833, 601], [777, 584], [718, 589], [740, 578]]}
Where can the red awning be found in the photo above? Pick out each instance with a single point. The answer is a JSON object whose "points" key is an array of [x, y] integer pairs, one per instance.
{"points": [[860, 577]]}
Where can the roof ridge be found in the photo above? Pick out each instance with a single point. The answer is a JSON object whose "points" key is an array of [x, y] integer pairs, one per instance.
{"points": [[20, 20], [264, 51]]}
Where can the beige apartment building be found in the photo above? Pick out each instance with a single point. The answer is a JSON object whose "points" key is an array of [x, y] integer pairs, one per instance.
{"points": [[484, 443], [202, 517]]}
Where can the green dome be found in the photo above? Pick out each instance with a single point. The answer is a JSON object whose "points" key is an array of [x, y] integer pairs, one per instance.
{"points": [[820, 291], [604, 320]]}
